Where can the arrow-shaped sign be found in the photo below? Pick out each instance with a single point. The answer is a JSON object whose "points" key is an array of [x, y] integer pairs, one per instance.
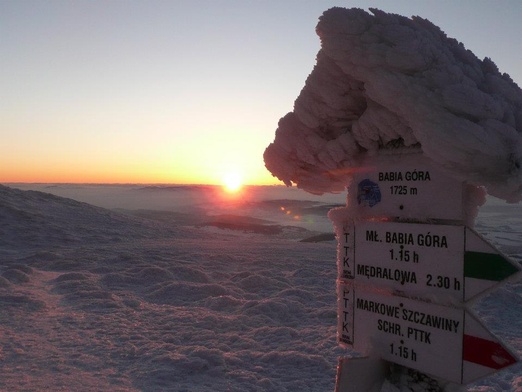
{"points": [[442, 262], [487, 266], [484, 265], [444, 342], [482, 352]]}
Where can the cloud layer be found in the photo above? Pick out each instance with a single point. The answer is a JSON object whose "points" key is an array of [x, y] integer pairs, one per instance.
{"points": [[386, 83]]}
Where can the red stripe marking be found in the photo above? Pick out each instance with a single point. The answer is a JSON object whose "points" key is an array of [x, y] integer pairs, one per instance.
{"points": [[486, 353]]}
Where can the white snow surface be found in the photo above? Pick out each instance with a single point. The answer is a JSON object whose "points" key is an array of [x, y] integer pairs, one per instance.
{"points": [[384, 83], [166, 297]]}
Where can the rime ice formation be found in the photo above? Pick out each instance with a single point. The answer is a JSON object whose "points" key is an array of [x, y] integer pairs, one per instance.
{"points": [[385, 82]]}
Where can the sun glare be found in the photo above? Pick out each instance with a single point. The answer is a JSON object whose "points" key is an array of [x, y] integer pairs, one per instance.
{"points": [[232, 182]]}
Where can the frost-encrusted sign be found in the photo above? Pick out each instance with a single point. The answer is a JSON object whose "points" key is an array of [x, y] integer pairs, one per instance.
{"points": [[386, 82], [412, 124]]}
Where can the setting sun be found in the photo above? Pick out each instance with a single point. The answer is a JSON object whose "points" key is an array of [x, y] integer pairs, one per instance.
{"points": [[232, 182]]}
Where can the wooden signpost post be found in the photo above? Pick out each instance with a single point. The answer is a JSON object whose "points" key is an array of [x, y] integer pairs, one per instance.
{"points": [[407, 265]]}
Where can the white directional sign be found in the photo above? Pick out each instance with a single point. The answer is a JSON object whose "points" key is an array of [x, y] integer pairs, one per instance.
{"points": [[408, 187], [403, 284], [450, 263], [442, 341]]}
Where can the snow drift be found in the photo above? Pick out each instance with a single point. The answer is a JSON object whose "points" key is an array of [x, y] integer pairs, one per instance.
{"points": [[94, 300], [386, 83], [97, 300]]}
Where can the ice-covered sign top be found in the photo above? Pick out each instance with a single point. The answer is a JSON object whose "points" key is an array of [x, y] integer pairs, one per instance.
{"points": [[384, 82]]}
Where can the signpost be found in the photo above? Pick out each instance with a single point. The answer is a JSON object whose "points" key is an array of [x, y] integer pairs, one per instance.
{"points": [[442, 341], [450, 262], [405, 187], [407, 265]]}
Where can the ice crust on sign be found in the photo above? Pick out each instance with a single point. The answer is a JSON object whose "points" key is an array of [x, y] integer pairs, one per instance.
{"points": [[386, 83]]}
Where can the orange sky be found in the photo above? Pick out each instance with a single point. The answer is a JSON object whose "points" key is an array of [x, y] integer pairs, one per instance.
{"points": [[181, 91]]}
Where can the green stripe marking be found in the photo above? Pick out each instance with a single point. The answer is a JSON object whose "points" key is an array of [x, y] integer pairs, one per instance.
{"points": [[487, 266]]}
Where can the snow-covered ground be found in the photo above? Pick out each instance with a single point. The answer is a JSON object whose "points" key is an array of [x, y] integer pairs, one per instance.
{"points": [[188, 289]]}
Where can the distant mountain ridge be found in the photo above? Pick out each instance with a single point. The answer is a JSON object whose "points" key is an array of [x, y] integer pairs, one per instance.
{"points": [[33, 220]]}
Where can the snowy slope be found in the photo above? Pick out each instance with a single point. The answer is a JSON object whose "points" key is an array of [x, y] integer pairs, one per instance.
{"points": [[93, 300], [33, 220]]}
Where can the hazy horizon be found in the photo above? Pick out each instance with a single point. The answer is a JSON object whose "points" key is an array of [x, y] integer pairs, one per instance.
{"points": [[179, 92]]}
